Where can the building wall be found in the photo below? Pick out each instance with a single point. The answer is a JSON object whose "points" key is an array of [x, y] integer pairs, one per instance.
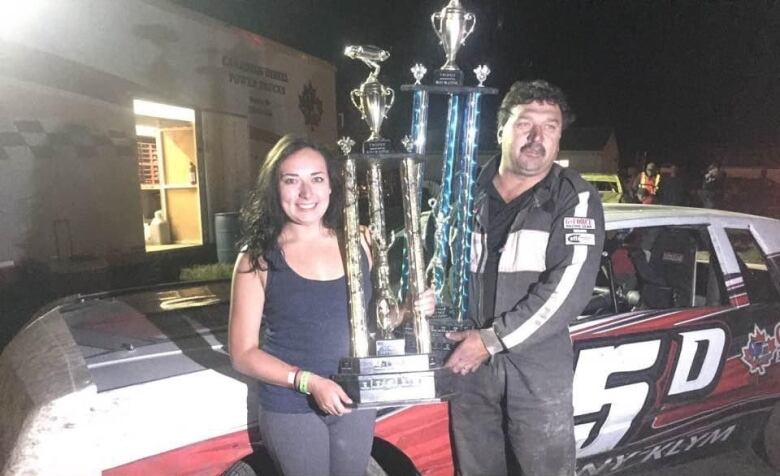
{"points": [[68, 175], [229, 165], [179, 56], [69, 72]]}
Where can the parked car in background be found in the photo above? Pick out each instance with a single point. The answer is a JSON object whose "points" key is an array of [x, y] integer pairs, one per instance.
{"points": [[677, 356], [608, 185]]}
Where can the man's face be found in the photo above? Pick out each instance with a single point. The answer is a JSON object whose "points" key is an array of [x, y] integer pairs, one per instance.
{"points": [[651, 170], [530, 138]]}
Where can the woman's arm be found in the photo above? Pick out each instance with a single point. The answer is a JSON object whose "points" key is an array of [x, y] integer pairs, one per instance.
{"points": [[246, 313]]}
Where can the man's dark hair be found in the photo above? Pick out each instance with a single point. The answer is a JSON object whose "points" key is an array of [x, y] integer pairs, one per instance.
{"points": [[526, 92]]}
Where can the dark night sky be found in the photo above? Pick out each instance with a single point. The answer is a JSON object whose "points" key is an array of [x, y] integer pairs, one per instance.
{"points": [[669, 76]]}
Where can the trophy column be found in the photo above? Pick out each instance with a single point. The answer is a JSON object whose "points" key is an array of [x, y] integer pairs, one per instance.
{"points": [[359, 344], [463, 223]]}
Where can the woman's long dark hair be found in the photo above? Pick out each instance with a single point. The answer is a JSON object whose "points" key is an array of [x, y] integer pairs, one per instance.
{"points": [[262, 216]]}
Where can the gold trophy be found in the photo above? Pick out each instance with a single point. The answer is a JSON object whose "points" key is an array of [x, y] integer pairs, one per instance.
{"points": [[374, 100], [385, 375]]}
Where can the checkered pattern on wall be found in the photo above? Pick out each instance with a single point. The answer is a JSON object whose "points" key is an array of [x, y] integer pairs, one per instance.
{"points": [[25, 138]]}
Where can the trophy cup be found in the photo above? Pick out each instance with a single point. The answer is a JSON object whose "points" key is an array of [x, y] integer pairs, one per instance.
{"points": [[452, 25], [372, 98]]}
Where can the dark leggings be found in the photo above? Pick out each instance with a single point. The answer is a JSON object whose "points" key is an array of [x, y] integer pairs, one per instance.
{"points": [[306, 444]]}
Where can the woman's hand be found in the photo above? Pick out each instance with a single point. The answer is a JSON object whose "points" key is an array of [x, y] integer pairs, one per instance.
{"points": [[329, 395], [425, 303]]}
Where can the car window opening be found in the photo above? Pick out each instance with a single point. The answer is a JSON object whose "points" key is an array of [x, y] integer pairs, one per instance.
{"points": [[657, 268]]}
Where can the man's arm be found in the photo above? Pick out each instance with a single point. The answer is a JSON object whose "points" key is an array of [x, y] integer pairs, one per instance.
{"points": [[564, 288]]}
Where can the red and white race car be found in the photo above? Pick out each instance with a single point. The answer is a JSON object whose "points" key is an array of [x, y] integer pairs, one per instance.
{"points": [[677, 356]]}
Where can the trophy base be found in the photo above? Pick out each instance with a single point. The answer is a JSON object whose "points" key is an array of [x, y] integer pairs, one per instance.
{"points": [[398, 388], [448, 77], [387, 347], [376, 146]]}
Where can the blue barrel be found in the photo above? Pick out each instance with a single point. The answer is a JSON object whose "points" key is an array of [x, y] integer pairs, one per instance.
{"points": [[227, 231]]}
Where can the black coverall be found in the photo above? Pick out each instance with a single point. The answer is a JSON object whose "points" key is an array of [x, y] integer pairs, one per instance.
{"points": [[524, 294]]}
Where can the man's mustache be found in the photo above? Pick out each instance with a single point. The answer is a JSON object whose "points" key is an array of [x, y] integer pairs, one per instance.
{"points": [[534, 148]]}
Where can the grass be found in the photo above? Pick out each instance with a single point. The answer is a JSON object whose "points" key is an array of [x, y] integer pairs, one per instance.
{"points": [[205, 272]]}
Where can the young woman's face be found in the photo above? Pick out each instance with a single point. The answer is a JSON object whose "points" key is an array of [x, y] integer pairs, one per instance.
{"points": [[304, 187]]}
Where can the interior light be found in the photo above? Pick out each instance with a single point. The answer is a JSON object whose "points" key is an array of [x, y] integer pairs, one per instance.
{"points": [[162, 111], [563, 162], [145, 131]]}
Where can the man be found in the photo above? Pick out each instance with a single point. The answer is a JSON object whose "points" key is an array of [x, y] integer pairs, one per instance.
{"points": [[629, 181], [672, 190], [538, 236], [712, 186], [649, 182]]}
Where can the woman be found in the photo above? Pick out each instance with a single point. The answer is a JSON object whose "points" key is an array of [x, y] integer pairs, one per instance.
{"points": [[290, 277]]}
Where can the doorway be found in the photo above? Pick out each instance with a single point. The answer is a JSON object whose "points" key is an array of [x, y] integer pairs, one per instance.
{"points": [[168, 175]]}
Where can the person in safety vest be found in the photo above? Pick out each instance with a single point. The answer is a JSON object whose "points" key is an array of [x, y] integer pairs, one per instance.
{"points": [[648, 183]]}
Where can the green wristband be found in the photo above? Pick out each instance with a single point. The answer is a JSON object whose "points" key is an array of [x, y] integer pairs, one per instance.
{"points": [[303, 385]]}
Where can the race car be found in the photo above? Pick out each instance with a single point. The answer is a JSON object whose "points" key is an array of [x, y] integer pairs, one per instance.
{"points": [[677, 356]]}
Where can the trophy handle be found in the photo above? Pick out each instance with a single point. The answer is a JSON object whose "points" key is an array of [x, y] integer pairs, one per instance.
{"points": [[436, 27], [469, 17], [391, 93], [356, 93]]}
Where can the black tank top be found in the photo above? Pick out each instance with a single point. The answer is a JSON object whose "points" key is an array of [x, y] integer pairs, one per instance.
{"points": [[306, 324]]}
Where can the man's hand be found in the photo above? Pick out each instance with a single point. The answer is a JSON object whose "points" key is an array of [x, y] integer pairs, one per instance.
{"points": [[469, 354]]}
